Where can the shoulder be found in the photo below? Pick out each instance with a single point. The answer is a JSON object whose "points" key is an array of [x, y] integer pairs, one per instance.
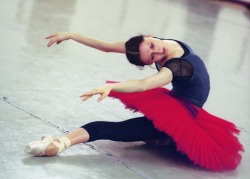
{"points": [[172, 63], [180, 67]]}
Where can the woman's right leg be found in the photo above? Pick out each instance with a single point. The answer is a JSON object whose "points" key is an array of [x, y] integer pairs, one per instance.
{"points": [[131, 130], [77, 136], [136, 129]]}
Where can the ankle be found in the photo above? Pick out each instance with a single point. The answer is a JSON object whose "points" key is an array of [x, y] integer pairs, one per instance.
{"points": [[57, 146], [51, 150], [65, 141]]}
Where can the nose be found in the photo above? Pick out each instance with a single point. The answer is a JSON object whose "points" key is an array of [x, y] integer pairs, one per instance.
{"points": [[157, 51]]}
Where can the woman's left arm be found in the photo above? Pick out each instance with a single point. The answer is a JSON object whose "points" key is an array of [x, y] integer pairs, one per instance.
{"points": [[163, 77]]}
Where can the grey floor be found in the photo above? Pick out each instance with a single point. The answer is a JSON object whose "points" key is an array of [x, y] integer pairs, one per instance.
{"points": [[40, 86]]}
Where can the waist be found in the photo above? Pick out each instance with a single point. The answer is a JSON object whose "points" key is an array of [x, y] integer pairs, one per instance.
{"points": [[195, 99], [189, 104]]}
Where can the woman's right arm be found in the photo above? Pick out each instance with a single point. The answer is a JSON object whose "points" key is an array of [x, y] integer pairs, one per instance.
{"points": [[163, 77], [118, 47]]}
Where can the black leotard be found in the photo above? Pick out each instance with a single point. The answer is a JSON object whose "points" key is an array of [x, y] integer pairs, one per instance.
{"points": [[190, 76]]}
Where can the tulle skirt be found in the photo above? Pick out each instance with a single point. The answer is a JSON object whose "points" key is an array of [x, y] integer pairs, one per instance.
{"points": [[209, 141]]}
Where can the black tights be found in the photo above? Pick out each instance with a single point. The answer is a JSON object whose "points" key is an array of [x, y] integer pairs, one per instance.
{"points": [[131, 130]]}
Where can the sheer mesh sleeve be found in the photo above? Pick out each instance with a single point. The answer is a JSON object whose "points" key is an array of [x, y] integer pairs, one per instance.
{"points": [[179, 67]]}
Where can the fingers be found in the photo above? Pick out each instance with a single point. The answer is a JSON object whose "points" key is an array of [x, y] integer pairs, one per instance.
{"points": [[101, 98], [88, 95], [57, 38], [92, 92], [48, 37], [84, 98], [104, 95], [53, 39], [51, 42]]}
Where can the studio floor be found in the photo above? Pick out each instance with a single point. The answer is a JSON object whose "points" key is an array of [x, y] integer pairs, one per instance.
{"points": [[40, 86]]}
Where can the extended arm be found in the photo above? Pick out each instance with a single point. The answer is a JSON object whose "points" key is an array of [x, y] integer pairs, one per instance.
{"points": [[118, 47], [163, 77]]}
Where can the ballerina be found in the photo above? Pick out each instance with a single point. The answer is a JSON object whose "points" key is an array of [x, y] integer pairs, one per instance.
{"points": [[170, 116]]}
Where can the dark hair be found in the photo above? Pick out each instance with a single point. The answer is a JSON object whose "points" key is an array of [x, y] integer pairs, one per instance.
{"points": [[132, 50]]}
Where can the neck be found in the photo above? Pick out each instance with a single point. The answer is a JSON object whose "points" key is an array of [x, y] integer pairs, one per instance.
{"points": [[162, 61], [175, 50]]}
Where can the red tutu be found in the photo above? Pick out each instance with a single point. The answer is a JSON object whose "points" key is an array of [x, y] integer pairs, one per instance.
{"points": [[207, 140]]}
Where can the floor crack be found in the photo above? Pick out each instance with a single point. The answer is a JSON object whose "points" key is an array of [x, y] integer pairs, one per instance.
{"points": [[14, 104], [94, 147]]}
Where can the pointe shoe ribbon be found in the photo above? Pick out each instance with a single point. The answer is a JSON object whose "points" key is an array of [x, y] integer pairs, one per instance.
{"points": [[63, 144]]}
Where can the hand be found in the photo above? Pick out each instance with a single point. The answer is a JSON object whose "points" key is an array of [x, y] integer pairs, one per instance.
{"points": [[103, 91], [58, 38]]}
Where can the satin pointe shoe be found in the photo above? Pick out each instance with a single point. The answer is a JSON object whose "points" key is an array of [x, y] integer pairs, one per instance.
{"points": [[38, 148]]}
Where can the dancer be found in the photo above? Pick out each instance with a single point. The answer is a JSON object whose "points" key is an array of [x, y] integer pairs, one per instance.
{"points": [[170, 115]]}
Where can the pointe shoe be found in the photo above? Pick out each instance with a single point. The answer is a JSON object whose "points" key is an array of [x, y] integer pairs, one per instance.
{"points": [[38, 148]]}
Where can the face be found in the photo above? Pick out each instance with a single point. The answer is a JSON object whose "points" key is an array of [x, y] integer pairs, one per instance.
{"points": [[153, 50]]}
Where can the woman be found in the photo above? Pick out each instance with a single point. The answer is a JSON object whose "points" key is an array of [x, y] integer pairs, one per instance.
{"points": [[177, 114]]}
